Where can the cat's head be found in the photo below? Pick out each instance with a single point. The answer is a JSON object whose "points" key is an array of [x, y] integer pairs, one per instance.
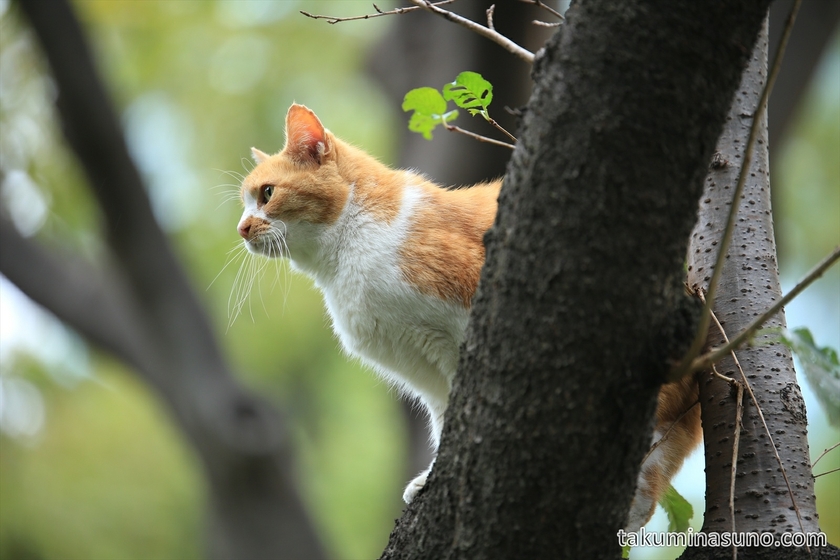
{"points": [[291, 195]]}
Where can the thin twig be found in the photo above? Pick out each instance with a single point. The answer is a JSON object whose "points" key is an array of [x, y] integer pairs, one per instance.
{"points": [[379, 13], [747, 385], [546, 23], [739, 419], [545, 7], [499, 127], [726, 239], [485, 32], [479, 137], [827, 472], [716, 354], [823, 454], [490, 11]]}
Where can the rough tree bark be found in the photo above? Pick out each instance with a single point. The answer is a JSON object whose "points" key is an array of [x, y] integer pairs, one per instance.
{"points": [[581, 302], [749, 285], [141, 308]]}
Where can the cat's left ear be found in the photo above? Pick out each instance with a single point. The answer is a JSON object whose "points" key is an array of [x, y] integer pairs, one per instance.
{"points": [[259, 155], [306, 139]]}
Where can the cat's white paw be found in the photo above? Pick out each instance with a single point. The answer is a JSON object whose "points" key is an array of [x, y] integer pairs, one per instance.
{"points": [[642, 506], [640, 512], [415, 486]]}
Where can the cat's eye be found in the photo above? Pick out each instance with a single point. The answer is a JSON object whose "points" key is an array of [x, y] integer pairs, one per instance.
{"points": [[266, 192]]}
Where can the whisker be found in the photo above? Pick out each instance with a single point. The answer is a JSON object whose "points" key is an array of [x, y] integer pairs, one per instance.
{"points": [[247, 164], [235, 175], [229, 260], [252, 269], [235, 300]]}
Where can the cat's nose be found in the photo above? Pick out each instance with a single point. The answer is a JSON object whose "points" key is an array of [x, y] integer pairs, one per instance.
{"points": [[245, 230]]}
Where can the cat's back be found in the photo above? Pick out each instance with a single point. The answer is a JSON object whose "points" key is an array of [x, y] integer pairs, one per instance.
{"points": [[443, 253]]}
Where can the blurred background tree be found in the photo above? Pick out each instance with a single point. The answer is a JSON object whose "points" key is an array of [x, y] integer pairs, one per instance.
{"points": [[90, 465]]}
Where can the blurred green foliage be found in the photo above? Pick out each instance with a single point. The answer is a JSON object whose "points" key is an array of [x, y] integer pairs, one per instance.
{"points": [[102, 474], [806, 199], [197, 84]]}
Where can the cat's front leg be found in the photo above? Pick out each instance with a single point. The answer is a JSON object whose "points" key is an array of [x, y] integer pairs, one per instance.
{"points": [[417, 484]]}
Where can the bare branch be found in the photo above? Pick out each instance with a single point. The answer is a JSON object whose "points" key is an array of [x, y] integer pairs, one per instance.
{"points": [[824, 453], [547, 24], [490, 11], [379, 13], [702, 328], [485, 32], [826, 472], [546, 7], [500, 127], [479, 137], [716, 354], [739, 419]]}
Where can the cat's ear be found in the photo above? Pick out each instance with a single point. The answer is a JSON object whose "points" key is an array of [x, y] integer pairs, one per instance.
{"points": [[306, 139], [259, 155]]}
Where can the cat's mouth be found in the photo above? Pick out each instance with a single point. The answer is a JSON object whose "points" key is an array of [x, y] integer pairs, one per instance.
{"points": [[267, 246]]}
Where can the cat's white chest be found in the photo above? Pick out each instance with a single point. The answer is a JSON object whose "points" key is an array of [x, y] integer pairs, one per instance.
{"points": [[412, 339]]}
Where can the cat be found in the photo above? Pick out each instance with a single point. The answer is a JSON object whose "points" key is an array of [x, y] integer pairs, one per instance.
{"points": [[398, 259]]}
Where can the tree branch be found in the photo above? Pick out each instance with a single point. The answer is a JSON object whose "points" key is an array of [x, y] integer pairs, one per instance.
{"points": [[826, 472], [726, 239], [545, 7], [704, 361], [93, 301], [486, 32], [379, 13], [824, 453], [479, 137], [94, 132]]}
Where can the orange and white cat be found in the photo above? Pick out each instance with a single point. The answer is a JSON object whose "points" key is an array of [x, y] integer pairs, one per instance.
{"points": [[398, 260]]}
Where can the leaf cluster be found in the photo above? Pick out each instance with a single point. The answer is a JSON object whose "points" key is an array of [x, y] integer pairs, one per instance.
{"points": [[469, 91]]}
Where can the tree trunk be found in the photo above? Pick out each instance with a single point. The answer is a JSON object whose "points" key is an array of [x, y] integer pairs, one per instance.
{"points": [[749, 285], [581, 304]]}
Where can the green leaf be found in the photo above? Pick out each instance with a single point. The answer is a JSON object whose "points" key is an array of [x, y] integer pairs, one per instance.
{"points": [[424, 100], [429, 110], [470, 91], [625, 551], [821, 367], [678, 509]]}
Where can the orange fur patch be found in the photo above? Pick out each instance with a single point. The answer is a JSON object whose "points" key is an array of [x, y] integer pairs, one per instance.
{"points": [[301, 192], [376, 187], [444, 252], [678, 418]]}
